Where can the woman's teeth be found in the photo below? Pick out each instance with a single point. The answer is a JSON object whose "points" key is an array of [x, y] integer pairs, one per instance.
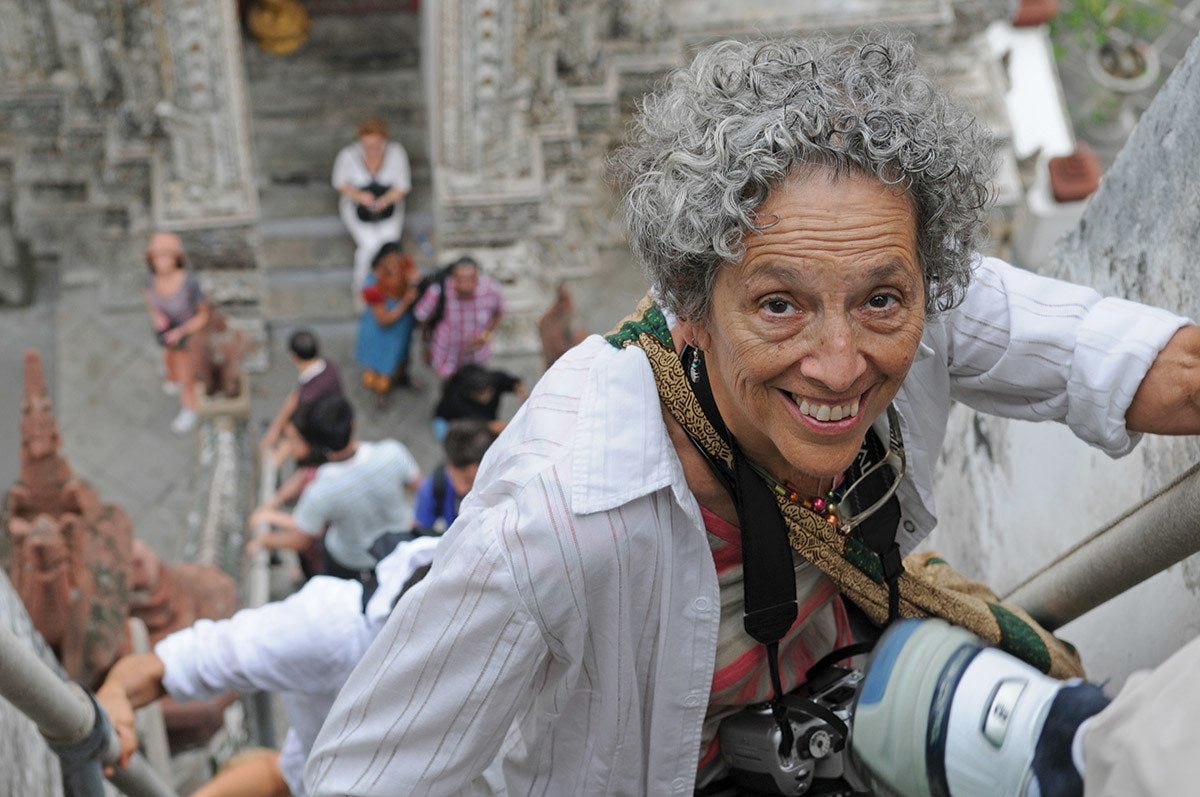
{"points": [[826, 412]]}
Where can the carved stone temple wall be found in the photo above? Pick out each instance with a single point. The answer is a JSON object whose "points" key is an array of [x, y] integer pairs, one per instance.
{"points": [[527, 99], [118, 117]]}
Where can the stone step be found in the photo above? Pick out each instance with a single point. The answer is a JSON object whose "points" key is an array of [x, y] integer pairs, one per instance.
{"points": [[305, 294], [319, 242], [300, 161], [301, 199], [354, 95], [290, 186], [308, 252]]}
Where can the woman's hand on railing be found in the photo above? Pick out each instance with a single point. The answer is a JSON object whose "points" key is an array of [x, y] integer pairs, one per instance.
{"points": [[115, 703]]}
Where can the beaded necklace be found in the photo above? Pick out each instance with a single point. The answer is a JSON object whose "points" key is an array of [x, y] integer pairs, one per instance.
{"points": [[833, 505], [825, 505]]}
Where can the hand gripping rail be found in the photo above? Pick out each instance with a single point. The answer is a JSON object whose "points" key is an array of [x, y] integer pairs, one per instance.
{"points": [[73, 723]]}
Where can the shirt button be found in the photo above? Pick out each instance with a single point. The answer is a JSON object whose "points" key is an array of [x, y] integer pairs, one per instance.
{"points": [[679, 784], [691, 701], [701, 604]]}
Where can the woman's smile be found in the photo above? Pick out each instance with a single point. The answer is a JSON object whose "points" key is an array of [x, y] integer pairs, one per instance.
{"points": [[826, 416]]}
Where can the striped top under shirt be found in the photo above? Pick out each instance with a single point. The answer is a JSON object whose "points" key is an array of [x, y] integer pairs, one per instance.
{"points": [[741, 676]]}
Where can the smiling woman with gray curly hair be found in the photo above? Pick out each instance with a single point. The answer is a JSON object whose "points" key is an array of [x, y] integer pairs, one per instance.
{"points": [[672, 529], [705, 153]]}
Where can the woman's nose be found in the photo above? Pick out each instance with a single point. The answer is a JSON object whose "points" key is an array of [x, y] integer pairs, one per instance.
{"points": [[834, 359]]}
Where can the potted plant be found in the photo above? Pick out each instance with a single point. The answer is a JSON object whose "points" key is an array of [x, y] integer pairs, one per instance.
{"points": [[1114, 39]]}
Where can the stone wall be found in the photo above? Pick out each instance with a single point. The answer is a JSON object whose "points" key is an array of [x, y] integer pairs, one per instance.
{"points": [[117, 118], [1015, 495]]}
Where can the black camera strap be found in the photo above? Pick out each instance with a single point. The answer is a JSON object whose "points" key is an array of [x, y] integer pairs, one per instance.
{"points": [[769, 578]]}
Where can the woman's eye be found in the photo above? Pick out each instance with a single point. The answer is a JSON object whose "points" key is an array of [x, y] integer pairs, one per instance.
{"points": [[777, 306], [882, 301]]}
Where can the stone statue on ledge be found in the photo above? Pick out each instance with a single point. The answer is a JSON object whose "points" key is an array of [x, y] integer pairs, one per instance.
{"points": [[76, 566], [66, 553]]}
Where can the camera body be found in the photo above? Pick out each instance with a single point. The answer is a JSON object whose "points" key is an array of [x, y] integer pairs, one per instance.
{"points": [[820, 760]]}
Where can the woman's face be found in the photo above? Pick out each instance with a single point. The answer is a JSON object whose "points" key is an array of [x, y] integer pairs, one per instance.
{"points": [[810, 335], [389, 275], [163, 262], [372, 144]]}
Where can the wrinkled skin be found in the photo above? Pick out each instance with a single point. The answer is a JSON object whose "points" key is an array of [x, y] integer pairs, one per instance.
{"points": [[827, 308]]}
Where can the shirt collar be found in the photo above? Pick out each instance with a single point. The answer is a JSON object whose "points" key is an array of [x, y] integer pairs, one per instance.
{"points": [[310, 371], [621, 448]]}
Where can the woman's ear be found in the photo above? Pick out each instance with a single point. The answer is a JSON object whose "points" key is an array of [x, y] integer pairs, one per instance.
{"points": [[699, 336]]}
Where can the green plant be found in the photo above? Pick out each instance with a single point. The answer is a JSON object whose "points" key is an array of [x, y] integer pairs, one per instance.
{"points": [[1083, 24]]}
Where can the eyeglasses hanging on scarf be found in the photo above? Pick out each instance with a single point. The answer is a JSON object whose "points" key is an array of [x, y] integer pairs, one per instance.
{"points": [[867, 506]]}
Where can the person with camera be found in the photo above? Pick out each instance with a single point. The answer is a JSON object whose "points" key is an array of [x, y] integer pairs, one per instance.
{"points": [[372, 177], [691, 517]]}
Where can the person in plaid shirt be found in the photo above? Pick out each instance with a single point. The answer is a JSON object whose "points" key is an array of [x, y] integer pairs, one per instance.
{"points": [[473, 307]]}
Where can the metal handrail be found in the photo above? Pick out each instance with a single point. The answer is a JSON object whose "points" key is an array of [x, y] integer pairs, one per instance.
{"points": [[1141, 543], [258, 586], [73, 723], [258, 592]]}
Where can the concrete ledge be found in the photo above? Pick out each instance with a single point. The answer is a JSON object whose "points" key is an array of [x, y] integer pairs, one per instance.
{"points": [[238, 407]]}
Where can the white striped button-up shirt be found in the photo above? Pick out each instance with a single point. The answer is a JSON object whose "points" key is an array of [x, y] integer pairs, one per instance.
{"points": [[564, 642]]}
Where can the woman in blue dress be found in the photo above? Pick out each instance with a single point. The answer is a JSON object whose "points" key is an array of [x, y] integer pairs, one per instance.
{"points": [[385, 330]]}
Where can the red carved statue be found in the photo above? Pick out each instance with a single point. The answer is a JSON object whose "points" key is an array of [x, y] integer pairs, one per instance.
{"points": [[66, 553], [81, 575]]}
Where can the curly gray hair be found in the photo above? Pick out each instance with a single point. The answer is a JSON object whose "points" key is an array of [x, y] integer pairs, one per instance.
{"points": [[704, 153]]}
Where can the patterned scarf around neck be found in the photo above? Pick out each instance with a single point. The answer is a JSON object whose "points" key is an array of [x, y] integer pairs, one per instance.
{"points": [[929, 587]]}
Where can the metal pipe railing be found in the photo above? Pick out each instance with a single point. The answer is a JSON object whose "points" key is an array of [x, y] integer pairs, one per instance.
{"points": [[258, 592], [76, 727], [151, 725], [1141, 543], [258, 576]]}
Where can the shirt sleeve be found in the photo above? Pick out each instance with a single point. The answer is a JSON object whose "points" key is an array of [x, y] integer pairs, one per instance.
{"points": [[343, 168], [311, 640], [409, 469], [423, 309], [433, 699], [398, 174], [195, 294], [425, 512], [1033, 348], [309, 513]]}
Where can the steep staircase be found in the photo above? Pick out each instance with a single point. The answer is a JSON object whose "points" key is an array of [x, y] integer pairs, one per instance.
{"points": [[304, 108]]}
